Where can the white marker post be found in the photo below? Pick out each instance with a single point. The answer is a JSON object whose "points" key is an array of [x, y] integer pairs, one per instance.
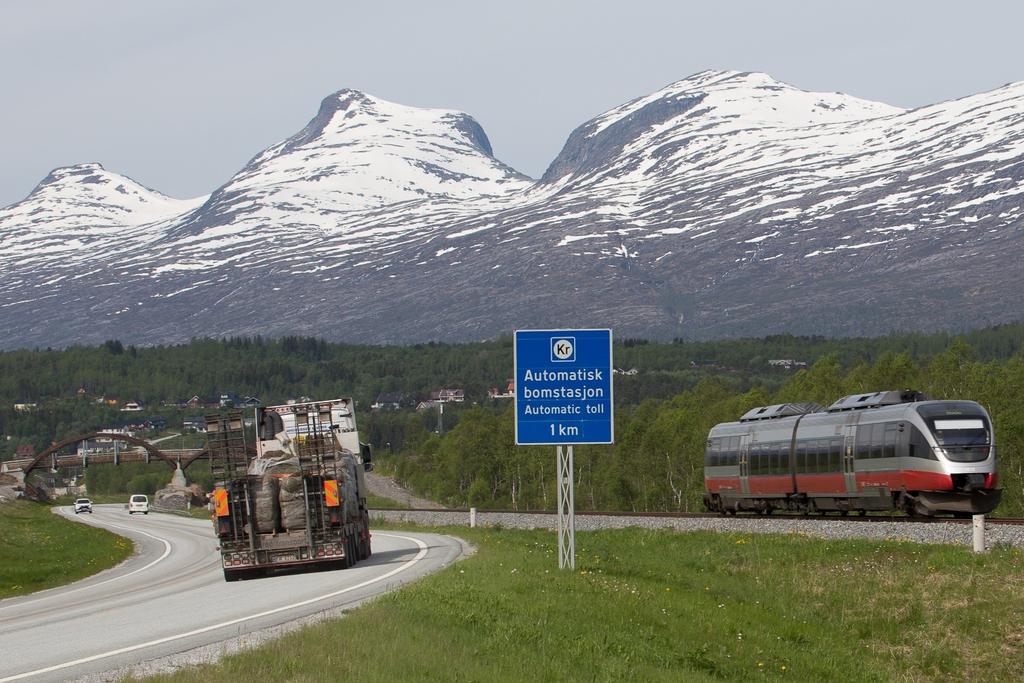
{"points": [[979, 533]]}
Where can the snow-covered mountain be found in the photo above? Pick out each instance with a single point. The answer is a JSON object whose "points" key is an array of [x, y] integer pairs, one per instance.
{"points": [[724, 204]]}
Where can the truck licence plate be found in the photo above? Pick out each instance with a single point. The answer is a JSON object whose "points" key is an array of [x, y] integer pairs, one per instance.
{"points": [[283, 557]]}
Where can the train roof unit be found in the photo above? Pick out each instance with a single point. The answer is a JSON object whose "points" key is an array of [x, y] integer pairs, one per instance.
{"points": [[779, 410], [876, 400]]}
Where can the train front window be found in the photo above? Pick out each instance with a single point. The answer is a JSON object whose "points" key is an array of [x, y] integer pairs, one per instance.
{"points": [[957, 424], [960, 431]]}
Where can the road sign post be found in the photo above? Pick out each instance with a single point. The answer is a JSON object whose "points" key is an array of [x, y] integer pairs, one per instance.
{"points": [[563, 382], [566, 510]]}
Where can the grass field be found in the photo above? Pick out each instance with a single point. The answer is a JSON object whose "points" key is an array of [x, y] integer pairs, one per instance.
{"points": [[662, 606], [39, 550]]}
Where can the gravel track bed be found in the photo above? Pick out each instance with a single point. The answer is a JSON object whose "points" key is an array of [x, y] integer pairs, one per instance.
{"points": [[828, 528]]}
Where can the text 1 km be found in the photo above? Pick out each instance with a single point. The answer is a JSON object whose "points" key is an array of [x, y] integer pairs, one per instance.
{"points": [[564, 430]]}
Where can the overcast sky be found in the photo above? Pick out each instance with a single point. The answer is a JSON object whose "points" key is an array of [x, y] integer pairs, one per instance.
{"points": [[179, 95]]}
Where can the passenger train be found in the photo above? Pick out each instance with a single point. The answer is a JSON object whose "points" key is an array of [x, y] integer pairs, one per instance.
{"points": [[888, 450]]}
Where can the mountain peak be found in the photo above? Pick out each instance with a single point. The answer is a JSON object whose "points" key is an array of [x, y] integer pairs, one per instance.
{"points": [[358, 106], [92, 184], [91, 180], [347, 99], [77, 209], [362, 152], [706, 103], [91, 172]]}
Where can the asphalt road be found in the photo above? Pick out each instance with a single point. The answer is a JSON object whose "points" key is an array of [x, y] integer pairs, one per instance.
{"points": [[170, 597]]}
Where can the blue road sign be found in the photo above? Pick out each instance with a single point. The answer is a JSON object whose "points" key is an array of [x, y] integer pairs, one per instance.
{"points": [[563, 384]]}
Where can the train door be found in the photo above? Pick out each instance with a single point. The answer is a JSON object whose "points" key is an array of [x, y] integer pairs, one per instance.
{"points": [[745, 463], [849, 449]]}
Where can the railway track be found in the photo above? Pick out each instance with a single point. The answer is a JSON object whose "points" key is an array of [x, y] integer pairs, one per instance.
{"points": [[714, 515]]}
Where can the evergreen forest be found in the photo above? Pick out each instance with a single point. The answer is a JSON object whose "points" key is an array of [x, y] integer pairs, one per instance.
{"points": [[466, 455]]}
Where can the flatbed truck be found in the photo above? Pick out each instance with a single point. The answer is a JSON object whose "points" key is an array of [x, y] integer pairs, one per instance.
{"points": [[297, 497]]}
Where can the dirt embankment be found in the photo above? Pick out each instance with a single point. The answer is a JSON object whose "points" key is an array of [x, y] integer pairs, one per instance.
{"points": [[380, 485]]}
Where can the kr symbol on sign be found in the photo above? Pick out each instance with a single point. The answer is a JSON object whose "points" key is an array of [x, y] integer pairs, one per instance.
{"points": [[563, 349]]}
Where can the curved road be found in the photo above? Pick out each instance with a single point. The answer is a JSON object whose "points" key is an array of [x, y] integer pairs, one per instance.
{"points": [[170, 597]]}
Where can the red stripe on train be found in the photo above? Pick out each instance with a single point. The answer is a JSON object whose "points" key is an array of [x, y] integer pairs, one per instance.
{"points": [[835, 482], [913, 480], [771, 483]]}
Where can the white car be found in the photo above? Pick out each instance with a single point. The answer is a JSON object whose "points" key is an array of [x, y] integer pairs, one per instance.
{"points": [[138, 503], [83, 505]]}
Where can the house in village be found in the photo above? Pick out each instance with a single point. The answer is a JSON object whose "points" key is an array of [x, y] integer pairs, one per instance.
{"points": [[195, 422], [136, 424], [227, 399], [440, 397], [119, 428], [390, 401], [509, 391], [230, 399], [787, 363]]}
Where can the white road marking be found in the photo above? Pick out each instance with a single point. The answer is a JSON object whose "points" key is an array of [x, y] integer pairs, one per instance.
{"points": [[167, 551], [131, 648]]}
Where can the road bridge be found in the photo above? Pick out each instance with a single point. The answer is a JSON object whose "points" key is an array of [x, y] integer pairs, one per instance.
{"points": [[142, 451]]}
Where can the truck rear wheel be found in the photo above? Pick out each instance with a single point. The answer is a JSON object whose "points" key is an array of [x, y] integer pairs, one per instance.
{"points": [[353, 551], [364, 538], [347, 561]]}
